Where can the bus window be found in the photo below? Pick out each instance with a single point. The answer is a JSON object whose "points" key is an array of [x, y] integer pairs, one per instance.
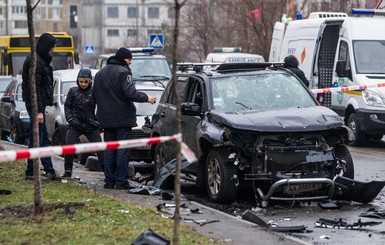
{"points": [[62, 60], [17, 61]]}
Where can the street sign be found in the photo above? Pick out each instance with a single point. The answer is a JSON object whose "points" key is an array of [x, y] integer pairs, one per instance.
{"points": [[89, 50], [156, 41]]}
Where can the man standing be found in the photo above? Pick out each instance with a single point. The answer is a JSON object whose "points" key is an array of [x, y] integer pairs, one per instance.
{"points": [[114, 93], [44, 93]]}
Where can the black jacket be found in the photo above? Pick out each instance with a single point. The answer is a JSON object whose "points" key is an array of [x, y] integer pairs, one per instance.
{"points": [[78, 113], [43, 75], [114, 93], [291, 63]]}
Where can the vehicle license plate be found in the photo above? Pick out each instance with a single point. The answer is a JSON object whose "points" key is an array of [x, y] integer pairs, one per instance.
{"points": [[294, 189]]}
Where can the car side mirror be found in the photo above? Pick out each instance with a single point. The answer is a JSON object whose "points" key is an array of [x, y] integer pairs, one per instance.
{"points": [[341, 69], [191, 109], [6, 99]]}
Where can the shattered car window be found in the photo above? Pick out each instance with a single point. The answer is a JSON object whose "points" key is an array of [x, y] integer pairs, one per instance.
{"points": [[259, 91]]}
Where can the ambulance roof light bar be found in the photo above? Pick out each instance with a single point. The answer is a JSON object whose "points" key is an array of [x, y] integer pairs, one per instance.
{"points": [[227, 50], [368, 12]]}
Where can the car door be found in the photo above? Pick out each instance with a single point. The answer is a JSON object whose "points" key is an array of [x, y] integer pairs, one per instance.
{"points": [[8, 107], [190, 124]]}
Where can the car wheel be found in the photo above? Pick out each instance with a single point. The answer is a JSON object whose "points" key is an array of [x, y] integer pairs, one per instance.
{"points": [[159, 158], [218, 177], [359, 136], [56, 137], [14, 135], [343, 153]]}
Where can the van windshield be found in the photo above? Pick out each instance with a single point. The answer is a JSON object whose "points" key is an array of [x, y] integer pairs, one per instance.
{"points": [[149, 67], [369, 56]]}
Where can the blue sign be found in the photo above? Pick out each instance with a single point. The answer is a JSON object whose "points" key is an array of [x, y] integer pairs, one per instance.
{"points": [[89, 50], [156, 41]]}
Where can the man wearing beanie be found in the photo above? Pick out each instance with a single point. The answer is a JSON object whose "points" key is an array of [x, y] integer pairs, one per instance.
{"points": [[44, 93], [114, 93]]}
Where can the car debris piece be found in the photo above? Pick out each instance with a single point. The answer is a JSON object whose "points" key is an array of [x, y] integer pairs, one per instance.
{"points": [[144, 189], [202, 222], [167, 196], [167, 170], [252, 217], [339, 224], [170, 209], [329, 205], [150, 237], [354, 190], [5, 192], [373, 213]]}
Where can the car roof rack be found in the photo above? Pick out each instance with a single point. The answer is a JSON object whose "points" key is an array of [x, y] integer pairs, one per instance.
{"points": [[197, 67], [227, 67]]}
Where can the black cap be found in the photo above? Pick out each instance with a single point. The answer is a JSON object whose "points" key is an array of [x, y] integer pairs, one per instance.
{"points": [[123, 53]]}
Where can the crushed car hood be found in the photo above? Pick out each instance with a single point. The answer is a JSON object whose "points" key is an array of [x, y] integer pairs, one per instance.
{"points": [[315, 118]]}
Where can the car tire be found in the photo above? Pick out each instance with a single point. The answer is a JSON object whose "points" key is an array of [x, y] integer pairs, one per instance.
{"points": [[160, 159], [359, 136], [343, 153], [57, 137], [15, 135], [218, 177]]}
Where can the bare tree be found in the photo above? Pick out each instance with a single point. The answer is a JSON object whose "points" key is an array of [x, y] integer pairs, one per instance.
{"points": [[177, 6], [35, 128]]}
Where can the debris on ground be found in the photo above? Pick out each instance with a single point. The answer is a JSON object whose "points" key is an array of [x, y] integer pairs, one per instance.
{"points": [[150, 237], [373, 213], [252, 217], [202, 222], [339, 224]]}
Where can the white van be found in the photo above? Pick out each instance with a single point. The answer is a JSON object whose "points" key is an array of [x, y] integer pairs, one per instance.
{"points": [[335, 50], [232, 55]]}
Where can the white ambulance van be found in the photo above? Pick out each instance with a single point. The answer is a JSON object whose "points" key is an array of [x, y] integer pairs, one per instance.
{"points": [[335, 50], [232, 55]]}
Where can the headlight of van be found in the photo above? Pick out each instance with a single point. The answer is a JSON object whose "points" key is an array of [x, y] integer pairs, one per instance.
{"points": [[23, 114], [372, 98]]}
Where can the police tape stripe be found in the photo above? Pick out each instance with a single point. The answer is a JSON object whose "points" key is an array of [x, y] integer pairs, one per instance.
{"points": [[326, 90], [92, 147]]}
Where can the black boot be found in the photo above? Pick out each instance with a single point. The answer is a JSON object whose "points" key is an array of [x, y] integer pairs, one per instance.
{"points": [[67, 174]]}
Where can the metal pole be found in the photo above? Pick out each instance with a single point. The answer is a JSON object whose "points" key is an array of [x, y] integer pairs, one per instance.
{"points": [[6, 17], [137, 23]]}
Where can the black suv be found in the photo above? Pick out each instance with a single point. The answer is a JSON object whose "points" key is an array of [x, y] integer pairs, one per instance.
{"points": [[253, 124]]}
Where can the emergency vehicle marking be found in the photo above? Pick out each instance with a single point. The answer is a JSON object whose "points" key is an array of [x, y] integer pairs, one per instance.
{"points": [[340, 94]]}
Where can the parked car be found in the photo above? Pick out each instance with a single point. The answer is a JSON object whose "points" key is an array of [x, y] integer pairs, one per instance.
{"points": [[55, 118], [252, 124], [146, 66], [14, 118], [4, 81], [143, 111]]}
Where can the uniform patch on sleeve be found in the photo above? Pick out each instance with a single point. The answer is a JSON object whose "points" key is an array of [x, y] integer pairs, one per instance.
{"points": [[129, 79]]}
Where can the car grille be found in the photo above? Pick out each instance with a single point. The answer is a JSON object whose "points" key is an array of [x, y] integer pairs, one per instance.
{"points": [[138, 134]]}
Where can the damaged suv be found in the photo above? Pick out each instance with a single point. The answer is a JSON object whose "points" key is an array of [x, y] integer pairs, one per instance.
{"points": [[253, 124]]}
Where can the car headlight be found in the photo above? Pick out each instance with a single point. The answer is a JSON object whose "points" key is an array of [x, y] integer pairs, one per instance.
{"points": [[372, 98], [23, 114]]}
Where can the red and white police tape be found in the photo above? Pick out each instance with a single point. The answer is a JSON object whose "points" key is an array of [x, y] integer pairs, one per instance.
{"points": [[93, 147], [336, 89]]}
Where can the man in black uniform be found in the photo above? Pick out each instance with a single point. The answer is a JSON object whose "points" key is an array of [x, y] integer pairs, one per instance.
{"points": [[114, 93]]}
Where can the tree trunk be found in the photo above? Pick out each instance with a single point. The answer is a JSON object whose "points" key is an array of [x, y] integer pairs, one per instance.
{"points": [[177, 8], [35, 131]]}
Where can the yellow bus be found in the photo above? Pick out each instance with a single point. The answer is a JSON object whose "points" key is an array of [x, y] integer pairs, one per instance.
{"points": [[14, 50]]}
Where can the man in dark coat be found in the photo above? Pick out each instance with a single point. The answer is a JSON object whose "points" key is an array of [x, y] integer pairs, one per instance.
{"points": [[114, 93], [291, 63], [44, 93]]}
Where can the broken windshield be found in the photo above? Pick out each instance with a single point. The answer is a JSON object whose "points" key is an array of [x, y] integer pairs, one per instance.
{"points": [[259, 91], [369, 56]]}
